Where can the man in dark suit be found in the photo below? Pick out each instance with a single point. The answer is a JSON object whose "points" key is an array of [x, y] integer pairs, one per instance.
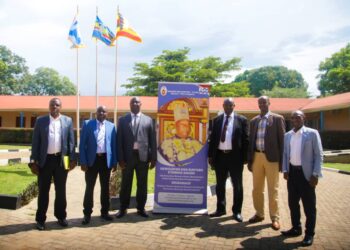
{"points": [[227, 153], [265, 159], [137, 149], [53, 139], [98, 155], [302, 163]]}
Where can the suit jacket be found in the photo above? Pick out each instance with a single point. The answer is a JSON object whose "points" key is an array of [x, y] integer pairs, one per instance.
{"points": [[274, 136], [88, 143], [40, 139], [146, 139], [311, 153], [239, 138]]}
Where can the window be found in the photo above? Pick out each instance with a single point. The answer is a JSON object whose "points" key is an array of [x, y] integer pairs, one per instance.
{"points": [[18, 122]]}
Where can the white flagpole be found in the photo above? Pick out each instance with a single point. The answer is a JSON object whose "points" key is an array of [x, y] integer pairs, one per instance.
{"points": [[78, 95], [116, 78], [96, 68]]}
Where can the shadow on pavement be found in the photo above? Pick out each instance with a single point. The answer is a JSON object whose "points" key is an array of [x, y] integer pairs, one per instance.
{"points": [[273, 242]]}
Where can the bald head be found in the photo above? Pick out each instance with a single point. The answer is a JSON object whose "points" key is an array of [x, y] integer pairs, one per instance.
{"points": [[101, 113], [264, 103], [228, 105], [135, 104], [298, 119]]}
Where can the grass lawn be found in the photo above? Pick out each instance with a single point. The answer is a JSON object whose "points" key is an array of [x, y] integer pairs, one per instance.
{"points": [[340, 166], [151, 180], [14, 179], [14, 146]]}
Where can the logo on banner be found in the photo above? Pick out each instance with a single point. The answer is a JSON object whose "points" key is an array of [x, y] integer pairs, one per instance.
{"points": [[163, 90]]}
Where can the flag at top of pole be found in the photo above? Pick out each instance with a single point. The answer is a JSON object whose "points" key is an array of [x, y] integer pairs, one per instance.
{"points": [[74, 35], [103, 33], [124, 29]]}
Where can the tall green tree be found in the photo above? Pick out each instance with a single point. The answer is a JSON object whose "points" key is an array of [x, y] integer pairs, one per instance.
{"points": [[266, 78], [286, 92], [47, 81], [12, 71], [234, 89], [175, 66], [335, 73]]}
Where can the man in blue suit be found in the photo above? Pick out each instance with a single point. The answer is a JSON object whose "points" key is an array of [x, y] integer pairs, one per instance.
{"points": [[53, 139], [302, 160], [98, 155]]}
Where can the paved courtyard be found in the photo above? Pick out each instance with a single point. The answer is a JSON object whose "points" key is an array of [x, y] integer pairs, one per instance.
{"points": [[162, 231]]}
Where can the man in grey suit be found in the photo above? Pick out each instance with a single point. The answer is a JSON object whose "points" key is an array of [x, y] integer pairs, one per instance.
{"points": [[137, 150], [265, 159], [302, 161], [53, 139]]}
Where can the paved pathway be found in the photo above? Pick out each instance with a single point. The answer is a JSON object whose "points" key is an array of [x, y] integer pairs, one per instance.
{"points": [[179, 231]]}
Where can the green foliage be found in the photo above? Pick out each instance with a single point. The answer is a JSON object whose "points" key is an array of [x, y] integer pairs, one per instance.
{"points": [[174, 66], [335, 73], [47, 81], [15, 79], [12, 70], [16, 135], [286, 92], [234, 89], [266, 78]]}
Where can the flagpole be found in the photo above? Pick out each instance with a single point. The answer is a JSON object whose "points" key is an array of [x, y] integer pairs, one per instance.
{"points": [[116, 77], [96, 67], [78, 95]]}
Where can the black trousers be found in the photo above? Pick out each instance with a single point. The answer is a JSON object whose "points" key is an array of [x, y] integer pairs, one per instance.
{"points": [[299, 188], [53, 168], [98, 168], [224, 165], [141, 169]]}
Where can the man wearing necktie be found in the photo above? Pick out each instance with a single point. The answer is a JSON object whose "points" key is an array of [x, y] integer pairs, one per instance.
{"points": [[227, 154], [98, 155], [265, 159], [137, 151]]}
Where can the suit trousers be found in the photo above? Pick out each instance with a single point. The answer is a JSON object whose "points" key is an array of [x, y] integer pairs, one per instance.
{"points": [[299, 188], [225, 165], [141, 169], [53, 168], [98, 168], [262, 169]]}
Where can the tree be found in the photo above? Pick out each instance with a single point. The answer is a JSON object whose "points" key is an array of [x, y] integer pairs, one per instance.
{"points": [[47, 81], [266, 78], [12, 71], [335, 73], [174, 66], [286, 92], [234, 89]]}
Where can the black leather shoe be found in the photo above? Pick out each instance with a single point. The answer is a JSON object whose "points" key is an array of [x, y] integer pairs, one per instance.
{"points": [[142, 213], [217, 213], [121, 213], [40, 225], [106, 217], [293, 232], [237, 217], [62, 222], [307, 241], [86, 220]]}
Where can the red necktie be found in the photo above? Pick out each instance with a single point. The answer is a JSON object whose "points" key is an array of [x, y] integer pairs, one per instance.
{"points": [[223, 132]]}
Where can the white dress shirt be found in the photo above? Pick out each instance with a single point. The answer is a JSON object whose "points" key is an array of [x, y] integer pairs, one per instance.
{"points": [[100, 137], [295, 147], [227, 144], [54, 137]]}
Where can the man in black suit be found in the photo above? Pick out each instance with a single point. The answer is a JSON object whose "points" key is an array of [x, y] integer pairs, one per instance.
{"points": [[227, 153], [137, 150], [53, 139]]}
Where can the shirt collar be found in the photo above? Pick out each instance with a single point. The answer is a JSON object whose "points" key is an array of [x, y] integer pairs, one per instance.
{"points": [[266, 115], [137, 115], [300, 131], [54, 119]]}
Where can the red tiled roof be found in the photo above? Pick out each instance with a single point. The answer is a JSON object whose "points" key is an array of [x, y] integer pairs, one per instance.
{"points": [[149, 103], [329, 103]]}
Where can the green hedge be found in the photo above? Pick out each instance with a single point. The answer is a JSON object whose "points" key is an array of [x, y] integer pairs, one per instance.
{"points": [[19, 135], [16, 135], [335, 139]]}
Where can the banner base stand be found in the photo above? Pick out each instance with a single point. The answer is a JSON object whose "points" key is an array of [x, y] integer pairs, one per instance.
{"points": [[157, 209]]}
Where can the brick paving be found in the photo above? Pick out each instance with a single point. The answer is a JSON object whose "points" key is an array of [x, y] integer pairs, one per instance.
{"points": [[163, 231]]}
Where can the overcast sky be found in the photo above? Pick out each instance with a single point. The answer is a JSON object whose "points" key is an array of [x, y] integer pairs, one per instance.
{"points": [[297, 34]]}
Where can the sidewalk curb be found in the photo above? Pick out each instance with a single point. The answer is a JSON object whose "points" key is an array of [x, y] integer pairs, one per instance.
{"points": [[336, 170]]}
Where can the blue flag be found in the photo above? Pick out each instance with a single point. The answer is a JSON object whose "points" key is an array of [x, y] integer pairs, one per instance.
{"points": [[102, 32], [74, 35]]}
